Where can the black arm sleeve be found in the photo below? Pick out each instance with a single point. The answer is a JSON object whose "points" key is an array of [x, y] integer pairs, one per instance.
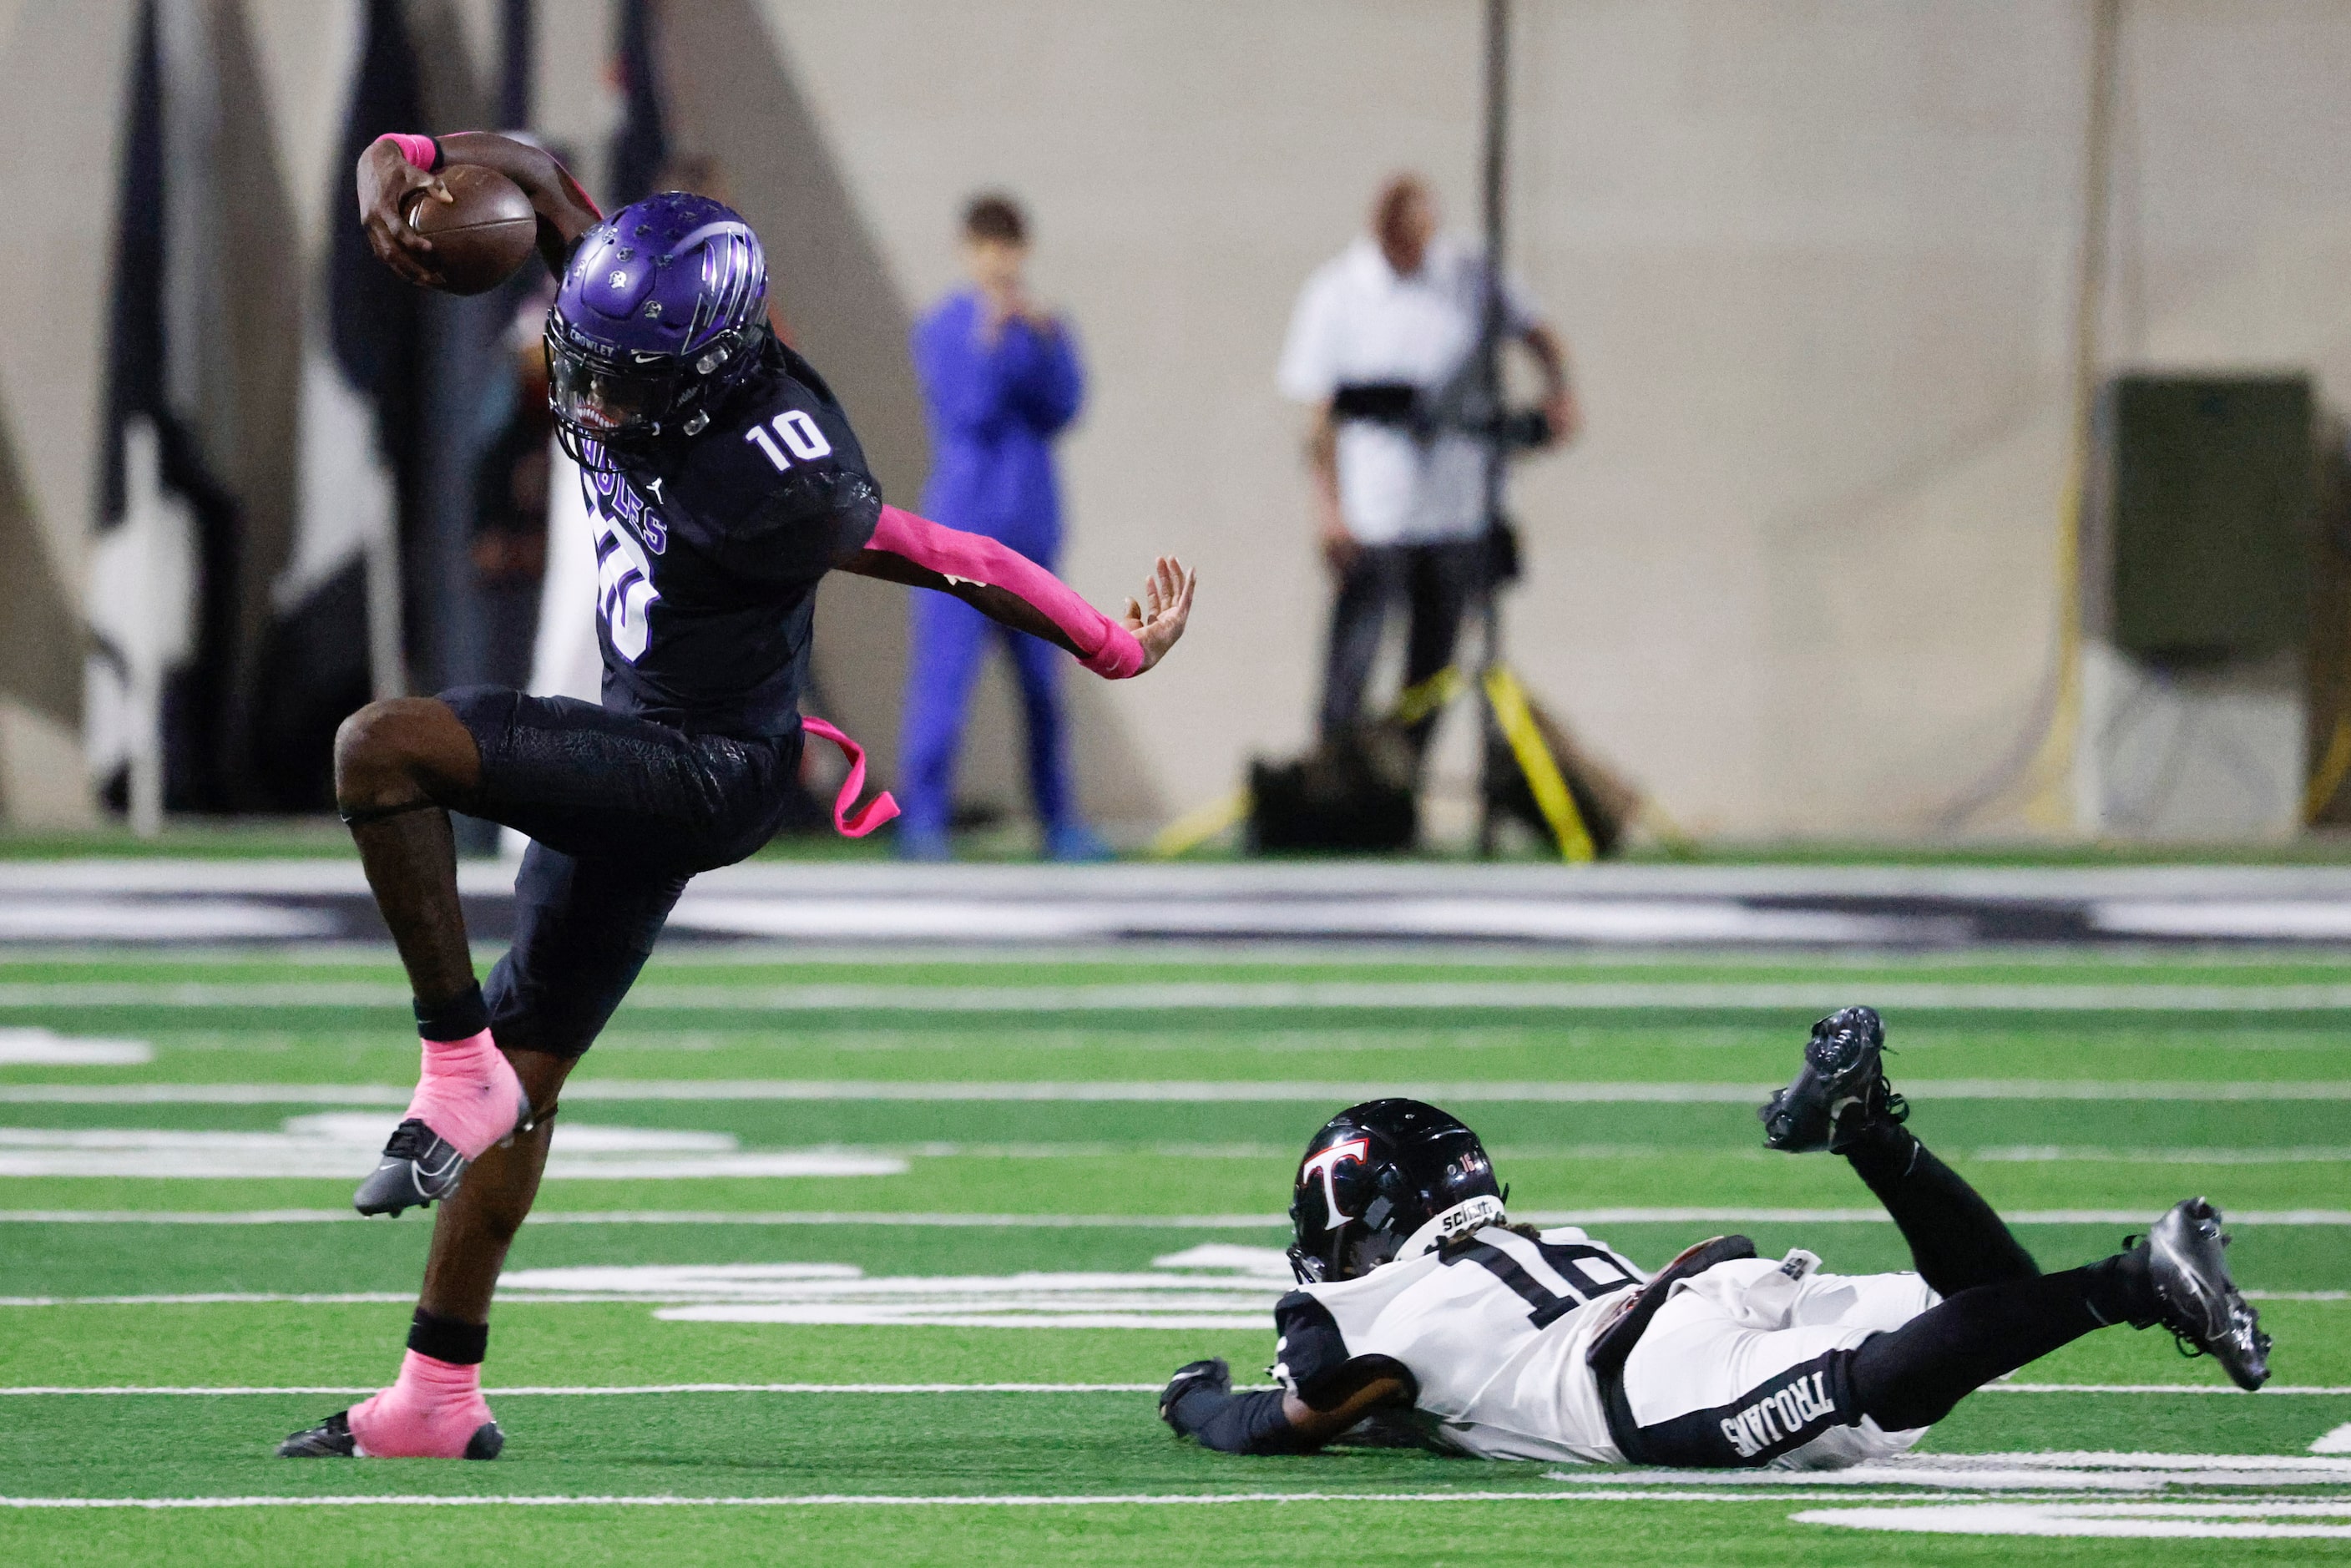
{"points": [[1311, 1353], [1234, 1422]]}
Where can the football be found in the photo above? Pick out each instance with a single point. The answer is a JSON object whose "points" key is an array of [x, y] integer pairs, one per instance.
{"points": [[480, 238]]}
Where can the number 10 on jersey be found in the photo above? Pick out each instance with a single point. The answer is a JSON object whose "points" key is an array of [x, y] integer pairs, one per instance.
{"points": [[797, 430]]}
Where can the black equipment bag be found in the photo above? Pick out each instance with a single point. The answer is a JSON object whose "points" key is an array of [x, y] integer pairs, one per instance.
{"points": [[1352, 794]]}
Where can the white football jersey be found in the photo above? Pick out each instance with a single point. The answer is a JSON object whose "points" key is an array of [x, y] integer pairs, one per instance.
{"points": [[1493, 1329]]}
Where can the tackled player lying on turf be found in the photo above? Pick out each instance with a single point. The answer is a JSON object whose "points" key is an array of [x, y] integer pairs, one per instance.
{"points": [[724, 482], [1425, 1315]]}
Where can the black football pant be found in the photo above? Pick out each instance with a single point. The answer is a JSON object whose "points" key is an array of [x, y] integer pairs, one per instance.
{"points": [[621, 812], [1437, 582], [1998, 1312]]}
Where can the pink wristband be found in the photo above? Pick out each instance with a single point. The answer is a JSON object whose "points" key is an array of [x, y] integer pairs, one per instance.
{"points": [[420, 152], [1106, 648], [1120, 655]]}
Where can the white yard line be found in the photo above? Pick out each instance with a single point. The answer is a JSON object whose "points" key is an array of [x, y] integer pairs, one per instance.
{"points": [[215, 1298], [679, 1217], [852, 1499], [1185, 996], [2231, 1520], [641, 1388], [699, 1306], [617, 1390], [1583, 1216], [2328, 1390], [333, 870], [1544, 1092]]}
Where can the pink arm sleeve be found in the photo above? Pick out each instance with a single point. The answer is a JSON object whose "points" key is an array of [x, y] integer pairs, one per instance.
{"points": [[419, 150], [1107, 648]]}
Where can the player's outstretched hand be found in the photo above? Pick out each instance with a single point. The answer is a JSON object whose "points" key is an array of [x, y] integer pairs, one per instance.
{"points": [[1214, 1374], [386, 180], [1168, 591]]}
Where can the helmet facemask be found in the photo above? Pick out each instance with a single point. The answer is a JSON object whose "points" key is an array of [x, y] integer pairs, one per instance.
{"points": [[661, 310], [606, 404]]}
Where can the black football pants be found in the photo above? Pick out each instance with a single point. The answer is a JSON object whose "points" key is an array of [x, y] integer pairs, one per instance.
{"points": [[1999, 1313], [621, 812]]}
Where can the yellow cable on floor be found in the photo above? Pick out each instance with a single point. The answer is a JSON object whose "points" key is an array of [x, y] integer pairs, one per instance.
{"points": [[1535, 760], [1193, 829]]}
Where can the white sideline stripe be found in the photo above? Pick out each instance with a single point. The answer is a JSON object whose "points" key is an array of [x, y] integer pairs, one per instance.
{"points": [[850, 1500], [213, 1298], [1584, 1216], [622, 1389], [677, 1216], [1175, 1091], [1575, 995], [163, 920], [2291, 920], [1050, 919], [334, 870], [689, 1306], [551, 1390]]}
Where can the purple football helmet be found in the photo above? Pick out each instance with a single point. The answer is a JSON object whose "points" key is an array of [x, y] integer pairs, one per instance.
{"points": [[661, 309]]}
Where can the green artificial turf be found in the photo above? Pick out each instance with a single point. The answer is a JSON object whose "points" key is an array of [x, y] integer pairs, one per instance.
{"points": [[1130, 1169]]}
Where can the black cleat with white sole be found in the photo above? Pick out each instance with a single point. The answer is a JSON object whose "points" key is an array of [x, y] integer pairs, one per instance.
{"points": [[418, 1165], [1840, 1092], [2201, 1303], [332, 1439]]}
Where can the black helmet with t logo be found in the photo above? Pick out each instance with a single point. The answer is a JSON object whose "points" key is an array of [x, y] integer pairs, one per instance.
{"points": [[1385, 1179]]}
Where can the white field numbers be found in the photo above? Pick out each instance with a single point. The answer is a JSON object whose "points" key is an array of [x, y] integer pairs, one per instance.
{"points": [[795, 430]]}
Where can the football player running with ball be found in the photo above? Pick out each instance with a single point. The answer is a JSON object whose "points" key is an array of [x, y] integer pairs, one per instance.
{"points": [[1425, 1313], [724, 482]]}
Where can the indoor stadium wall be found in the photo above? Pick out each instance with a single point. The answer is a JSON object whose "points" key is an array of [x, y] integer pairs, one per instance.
{"points": [[1816, 265]]}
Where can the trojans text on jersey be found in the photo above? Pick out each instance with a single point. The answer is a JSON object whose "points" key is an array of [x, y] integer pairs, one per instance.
{"points": [[627, 527]]}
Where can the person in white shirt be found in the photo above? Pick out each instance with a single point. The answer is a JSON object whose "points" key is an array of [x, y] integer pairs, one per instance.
{"points": [[1422, 1310], [1384, 336]]}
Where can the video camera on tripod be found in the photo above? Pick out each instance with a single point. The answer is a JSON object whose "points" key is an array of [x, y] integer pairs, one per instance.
{"points": [[1460, 407]]}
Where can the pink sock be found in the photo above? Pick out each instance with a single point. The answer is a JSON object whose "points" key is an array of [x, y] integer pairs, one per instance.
{"points": [[431, 1412], [468, 1093]]}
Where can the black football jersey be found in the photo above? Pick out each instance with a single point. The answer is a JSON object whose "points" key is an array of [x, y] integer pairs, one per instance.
{"points": [[709, 549]]}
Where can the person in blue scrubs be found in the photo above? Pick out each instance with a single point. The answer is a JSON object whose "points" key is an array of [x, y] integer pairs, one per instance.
{"points": [[1000, 379]]}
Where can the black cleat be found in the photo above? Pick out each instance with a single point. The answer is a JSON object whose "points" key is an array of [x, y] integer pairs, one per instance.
{"points": [[418, 1167], [1841, 1090], [330, 1439], [2201, 1303]]}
